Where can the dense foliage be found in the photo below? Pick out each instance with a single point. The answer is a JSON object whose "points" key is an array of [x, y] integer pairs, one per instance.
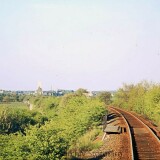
{"points": [[11, 97], [52, 128], [143, 98], [19, 118], [105, 97]]}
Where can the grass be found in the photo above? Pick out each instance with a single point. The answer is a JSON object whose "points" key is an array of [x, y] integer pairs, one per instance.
{"points": [[14, 105], [86, 143]]}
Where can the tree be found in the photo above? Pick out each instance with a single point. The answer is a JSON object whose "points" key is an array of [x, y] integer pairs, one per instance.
{"points": [[105, 97], [81, 91], [6, 99]]}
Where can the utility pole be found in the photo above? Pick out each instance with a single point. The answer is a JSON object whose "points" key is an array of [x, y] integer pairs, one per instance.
{"points": [[51, 91]]}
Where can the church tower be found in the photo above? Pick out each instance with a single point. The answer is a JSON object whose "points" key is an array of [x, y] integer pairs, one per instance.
{"points": [[39, 91]]}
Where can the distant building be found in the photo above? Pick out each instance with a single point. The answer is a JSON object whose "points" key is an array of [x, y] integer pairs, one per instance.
{"points": [[89, 94], [61, 92], [95, 93], [1, 91], [25, 92], [39, 91], [49, 93]]}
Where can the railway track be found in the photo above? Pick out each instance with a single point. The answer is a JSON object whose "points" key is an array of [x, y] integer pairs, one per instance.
{"points": [[145, 144]]}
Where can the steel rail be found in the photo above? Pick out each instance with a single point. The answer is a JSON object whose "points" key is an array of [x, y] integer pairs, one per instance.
{"points": [[129, 130], [153, 134], [141, 142]]}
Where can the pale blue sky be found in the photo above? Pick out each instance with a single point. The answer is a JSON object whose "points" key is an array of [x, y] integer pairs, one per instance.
{"points": [[93, 44]]}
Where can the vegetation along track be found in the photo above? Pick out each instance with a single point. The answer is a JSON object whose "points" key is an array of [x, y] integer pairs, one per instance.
{"points": [[146, 146]]}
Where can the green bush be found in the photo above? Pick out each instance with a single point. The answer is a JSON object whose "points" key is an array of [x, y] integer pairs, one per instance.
{"points": [[143, 98], [15, 119], [69, 118]]}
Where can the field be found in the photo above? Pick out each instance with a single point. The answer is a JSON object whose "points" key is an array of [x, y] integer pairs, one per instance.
{"points": [[17, 105]]}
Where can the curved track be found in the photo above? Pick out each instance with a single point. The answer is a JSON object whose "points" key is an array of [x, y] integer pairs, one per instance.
{"points": [[146, 146]]}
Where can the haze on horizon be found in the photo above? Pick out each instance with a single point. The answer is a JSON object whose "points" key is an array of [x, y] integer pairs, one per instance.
{"points": [[97, 45]]}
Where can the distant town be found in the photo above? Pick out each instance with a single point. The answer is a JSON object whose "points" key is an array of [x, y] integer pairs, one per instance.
{"points": [[39, 91]]}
